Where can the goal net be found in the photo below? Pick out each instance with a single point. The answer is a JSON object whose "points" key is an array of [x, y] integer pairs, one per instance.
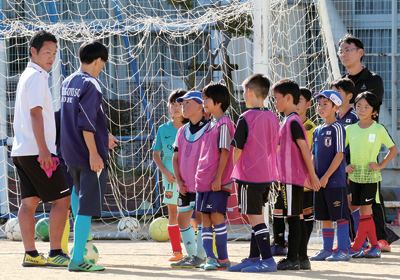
{"points": [[154, 48]]}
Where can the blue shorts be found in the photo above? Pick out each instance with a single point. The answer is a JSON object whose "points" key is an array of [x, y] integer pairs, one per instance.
{"points": [[64, 168], [331, 204], [186, 202], [90, 189], [212, 202], [171, 192]]}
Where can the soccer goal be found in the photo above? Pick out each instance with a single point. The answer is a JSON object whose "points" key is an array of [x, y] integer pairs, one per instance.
{"points": [[155, 47]]}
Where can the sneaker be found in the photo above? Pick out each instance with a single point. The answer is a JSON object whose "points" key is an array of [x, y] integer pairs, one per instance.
{"points": [[244, 263], [339, 256], [29, 261], [357, 254], [181, 261], [176, 256], [85, 266], [60, 260], [211, 264], [384, 245], [305, 265], [223, 264], [278, 250], [193, 262], [374, 252], [285, 264], [268, 265], [321, 255]]}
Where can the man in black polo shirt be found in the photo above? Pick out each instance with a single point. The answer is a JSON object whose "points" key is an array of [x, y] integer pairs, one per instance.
{"points": [[351, 51]]}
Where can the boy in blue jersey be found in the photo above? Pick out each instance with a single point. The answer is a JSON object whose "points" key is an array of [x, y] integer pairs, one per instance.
{"points": [[330, 203], [84, 144], [346, 115], [164, 143]]}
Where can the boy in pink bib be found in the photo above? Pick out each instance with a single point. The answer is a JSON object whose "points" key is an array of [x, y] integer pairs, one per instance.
{"points": [[187, 146], [294, 168], [255, 144], [213, 182]]}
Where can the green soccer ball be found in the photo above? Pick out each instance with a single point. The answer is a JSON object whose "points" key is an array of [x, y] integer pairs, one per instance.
{"points": [[159, 229], [42, 229], [91, 253]]}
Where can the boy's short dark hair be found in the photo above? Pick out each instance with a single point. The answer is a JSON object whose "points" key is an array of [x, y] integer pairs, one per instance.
{"points": [[344, 84], [219, 93], [371, 98], [176, 94], [38, 40], [90, 51], [287, 86], [306, 93], [259, 83], [349, 38]]}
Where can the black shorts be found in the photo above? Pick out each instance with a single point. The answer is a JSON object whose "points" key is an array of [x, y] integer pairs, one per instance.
{"points": [[364, 194], [212, 202], [289, 201], [186, 202], [252, 197], [70, 180], [34, 181], [90, 188], [308, 199], [331, 204]]}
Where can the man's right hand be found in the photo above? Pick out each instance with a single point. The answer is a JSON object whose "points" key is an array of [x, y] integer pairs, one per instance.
{"points": [[45, 158], [96, 162]]}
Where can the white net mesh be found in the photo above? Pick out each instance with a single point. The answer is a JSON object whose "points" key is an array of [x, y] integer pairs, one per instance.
{"points": [[155, 47]]}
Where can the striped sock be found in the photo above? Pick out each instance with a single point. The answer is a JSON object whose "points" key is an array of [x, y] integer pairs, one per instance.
{"points": [[201, 253], [262, 237], [189, 240], [174, 235], [208, 242], [342, 235], [254, 252], [221, 240], [328, 235]]}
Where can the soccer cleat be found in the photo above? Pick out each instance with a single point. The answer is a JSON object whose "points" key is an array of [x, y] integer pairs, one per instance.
{"points": [[29, 261], [357, 254], [339, 256], [60, 260], [268, 265], [223, 264], [181, 261], [305, 265], [321, 255], [176, 256], [285, 264], [374, 252], [244, 263], [384, 245], [84, 266], [193, 262], [278, 250], [211, 264]]}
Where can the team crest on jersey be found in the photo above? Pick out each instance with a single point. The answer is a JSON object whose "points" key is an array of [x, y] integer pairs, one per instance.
{"points": [[328, 141], [179, 201], [169, 194], [348, 120], [336, 204], [328, 132]]}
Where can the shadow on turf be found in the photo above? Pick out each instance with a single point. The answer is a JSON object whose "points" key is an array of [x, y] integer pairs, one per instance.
{"points": [[164, 272]]}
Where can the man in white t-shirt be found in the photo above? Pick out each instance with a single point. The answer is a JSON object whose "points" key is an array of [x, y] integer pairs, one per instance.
{"points": [[34, 150]]}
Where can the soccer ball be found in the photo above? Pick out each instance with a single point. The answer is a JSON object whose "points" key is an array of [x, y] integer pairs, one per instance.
{"points": [[91, 253], [159, 229], [12, 229], [42, 229], [128, 225]]}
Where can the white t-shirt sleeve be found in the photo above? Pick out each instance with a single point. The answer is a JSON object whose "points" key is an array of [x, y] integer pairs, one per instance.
{"points": [[36, 90]]}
